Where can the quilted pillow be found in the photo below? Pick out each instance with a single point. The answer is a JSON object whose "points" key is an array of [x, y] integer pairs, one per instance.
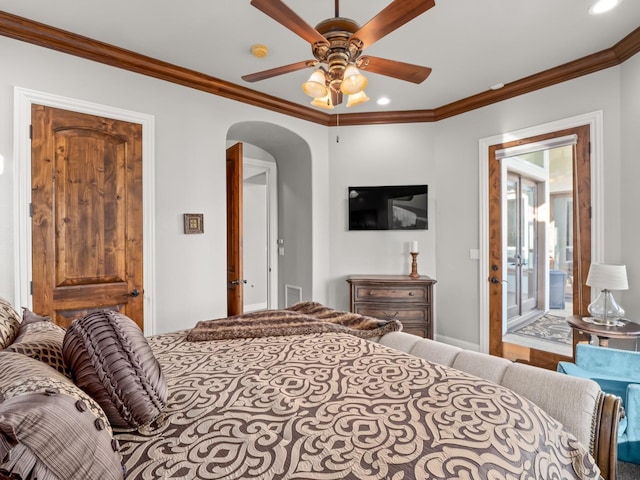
{"points": [[111, 360], [41, 340], [49, 428], [9, 323]]}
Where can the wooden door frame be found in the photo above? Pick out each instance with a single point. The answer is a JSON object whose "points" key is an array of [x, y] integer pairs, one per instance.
{"points": [[23, 99], [595, 122]]}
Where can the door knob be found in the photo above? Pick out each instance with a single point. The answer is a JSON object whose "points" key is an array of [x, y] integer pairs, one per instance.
{"points": [[237, 282], [134, 293]]}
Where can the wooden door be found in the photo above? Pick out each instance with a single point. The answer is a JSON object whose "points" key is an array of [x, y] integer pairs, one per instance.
{"points": [[235, 271], [86, 180], [581, 247]]}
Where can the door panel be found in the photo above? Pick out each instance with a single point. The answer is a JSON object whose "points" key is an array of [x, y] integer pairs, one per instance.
{"points": [[87, 215], [235, 271], [522, 246]]}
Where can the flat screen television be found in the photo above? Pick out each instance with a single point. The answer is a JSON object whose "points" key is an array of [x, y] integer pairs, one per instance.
{"points": [[398, 207]]}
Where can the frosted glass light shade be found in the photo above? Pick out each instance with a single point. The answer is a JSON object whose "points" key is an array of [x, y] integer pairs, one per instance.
{"points": [[316, 85], [324, 102], [357, 99], [353, 81]]}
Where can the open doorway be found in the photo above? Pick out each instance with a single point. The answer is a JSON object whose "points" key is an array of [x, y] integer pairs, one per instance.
{"points": [[260, 235], [505, 163], [538, 245]]}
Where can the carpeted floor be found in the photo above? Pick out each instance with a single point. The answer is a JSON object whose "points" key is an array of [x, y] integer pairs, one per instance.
{"points": [[628, 471], [548, 327]]}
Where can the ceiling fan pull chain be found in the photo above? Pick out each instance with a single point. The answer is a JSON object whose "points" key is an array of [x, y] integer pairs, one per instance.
{"points": [[337, 128]]}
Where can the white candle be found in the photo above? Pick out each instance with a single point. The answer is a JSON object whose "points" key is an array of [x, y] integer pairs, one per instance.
{"points": [[414, 246]]}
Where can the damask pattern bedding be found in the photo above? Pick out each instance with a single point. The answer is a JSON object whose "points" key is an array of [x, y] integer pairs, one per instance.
{"points": [[334, 406]]}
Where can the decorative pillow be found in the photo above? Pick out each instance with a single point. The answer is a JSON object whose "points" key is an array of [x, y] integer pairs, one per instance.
{"points": [[111, 360], [43, 341], [9, 323], [49, 428], [29, 317]]}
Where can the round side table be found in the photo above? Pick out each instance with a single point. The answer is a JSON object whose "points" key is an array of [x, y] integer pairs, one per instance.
{"points": [[583, 329]]}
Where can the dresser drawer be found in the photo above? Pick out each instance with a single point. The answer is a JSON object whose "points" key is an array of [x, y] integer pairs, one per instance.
{"points": [[404, 313], [383, 293]]}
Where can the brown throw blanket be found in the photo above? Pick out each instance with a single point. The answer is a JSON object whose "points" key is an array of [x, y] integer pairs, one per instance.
{"points": [[300, 319]]}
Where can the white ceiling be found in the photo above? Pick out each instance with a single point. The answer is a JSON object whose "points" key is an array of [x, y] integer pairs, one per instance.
{"points": [[469, 44]]}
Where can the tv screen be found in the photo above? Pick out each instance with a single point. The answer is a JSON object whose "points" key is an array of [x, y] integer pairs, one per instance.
{"points": [[400, 207]]}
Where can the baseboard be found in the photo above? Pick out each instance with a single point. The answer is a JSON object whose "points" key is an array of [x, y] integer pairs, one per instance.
{"points": [[255, 307], [457, 343]]}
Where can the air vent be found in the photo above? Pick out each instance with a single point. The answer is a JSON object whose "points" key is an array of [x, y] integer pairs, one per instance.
{"points": [[292, 294]]}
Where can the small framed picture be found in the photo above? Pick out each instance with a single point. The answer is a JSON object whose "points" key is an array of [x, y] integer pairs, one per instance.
{"points": [[193, 223]]}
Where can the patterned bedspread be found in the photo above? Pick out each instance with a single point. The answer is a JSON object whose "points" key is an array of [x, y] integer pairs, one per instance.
{"points": [[333, 406]]}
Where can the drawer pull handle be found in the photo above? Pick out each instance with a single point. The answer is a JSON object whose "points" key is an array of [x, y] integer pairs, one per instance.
{"points": [[411, 294], [389, 316]]}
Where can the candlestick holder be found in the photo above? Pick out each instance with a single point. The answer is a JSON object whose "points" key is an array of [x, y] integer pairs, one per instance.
{"points": [[414, 265]]}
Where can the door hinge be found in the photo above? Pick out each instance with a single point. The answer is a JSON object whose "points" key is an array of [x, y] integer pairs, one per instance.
{"points": [[31, 210], [589, 212], [30, 132], [31, 287]]}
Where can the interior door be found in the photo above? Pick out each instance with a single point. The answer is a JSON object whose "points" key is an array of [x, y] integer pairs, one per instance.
{"points": [[86, 179], [235, 281]]}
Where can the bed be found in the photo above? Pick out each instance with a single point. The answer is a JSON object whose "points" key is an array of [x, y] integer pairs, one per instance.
{"points": [[305, 404]]}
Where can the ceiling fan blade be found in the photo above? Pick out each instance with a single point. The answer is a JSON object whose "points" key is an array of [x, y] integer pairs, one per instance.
{"points": [[392, 68], [393, 16], [282, 14], [273, 72]]}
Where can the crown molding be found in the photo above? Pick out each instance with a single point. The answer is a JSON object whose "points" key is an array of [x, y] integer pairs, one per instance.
{"points": [[26, 30]]}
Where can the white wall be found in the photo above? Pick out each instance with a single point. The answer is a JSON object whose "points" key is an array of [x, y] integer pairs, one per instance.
{"points": [[630, 183], [445, 155], [370, 156], [191, 129]]}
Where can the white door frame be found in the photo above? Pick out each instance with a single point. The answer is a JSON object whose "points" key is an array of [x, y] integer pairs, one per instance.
{"points": [[23, 99], [595, 122], [271, 171]]}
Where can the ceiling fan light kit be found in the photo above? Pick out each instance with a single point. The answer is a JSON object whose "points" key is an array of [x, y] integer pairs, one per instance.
{"points": [[357, 99], [324, 102], [315, 87], [337, 45]]}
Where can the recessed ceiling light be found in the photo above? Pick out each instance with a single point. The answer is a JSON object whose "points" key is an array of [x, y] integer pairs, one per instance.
{"points": [[383, 101], [602, 6]]}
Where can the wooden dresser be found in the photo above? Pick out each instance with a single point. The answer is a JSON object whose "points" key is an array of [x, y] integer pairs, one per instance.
{"points": [[399, 297]]}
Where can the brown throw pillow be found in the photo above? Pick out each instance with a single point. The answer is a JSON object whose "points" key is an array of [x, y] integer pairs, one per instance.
{"points": [[49, 428], [29, 317], [9, 323], [42, 340], [111, 360]]}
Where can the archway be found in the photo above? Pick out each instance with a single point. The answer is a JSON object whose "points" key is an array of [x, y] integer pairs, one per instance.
{"points": [[273, 143]]}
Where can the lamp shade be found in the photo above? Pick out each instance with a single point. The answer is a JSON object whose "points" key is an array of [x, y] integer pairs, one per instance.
{"points": [[608, 277], [353, 81], [323, 102], [316, 85], [357, 99]]}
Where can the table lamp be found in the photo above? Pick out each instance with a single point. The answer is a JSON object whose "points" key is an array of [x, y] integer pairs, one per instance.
{"points": [[606, 278]]}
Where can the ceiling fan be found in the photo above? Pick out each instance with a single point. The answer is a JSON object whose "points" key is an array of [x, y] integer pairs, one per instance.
{"points": [[337, 45]]}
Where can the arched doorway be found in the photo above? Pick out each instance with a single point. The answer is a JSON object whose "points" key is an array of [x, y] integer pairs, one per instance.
{"points": [[290, 246]]}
